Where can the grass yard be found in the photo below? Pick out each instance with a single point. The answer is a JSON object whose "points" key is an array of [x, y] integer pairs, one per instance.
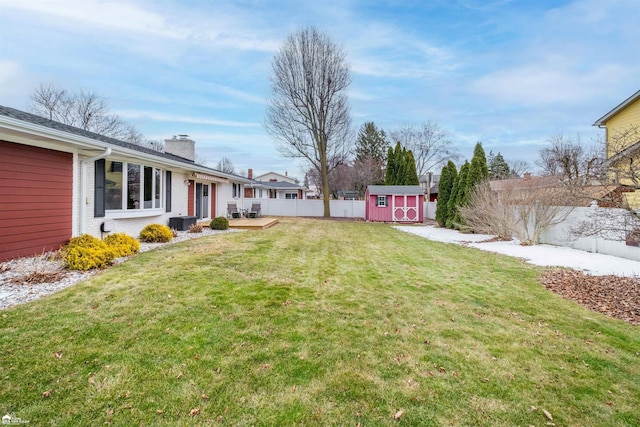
{"points": [[317, 323]]}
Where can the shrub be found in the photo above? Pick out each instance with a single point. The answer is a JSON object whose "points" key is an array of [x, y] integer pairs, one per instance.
{"points": [[87, 252], [122, 244], [195, 228], [219, 223], [156, 233]]}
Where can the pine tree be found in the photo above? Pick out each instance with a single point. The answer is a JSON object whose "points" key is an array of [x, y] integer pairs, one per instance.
{"points": [[478, 171], [498, 167], [371, 142], [447, 177]]}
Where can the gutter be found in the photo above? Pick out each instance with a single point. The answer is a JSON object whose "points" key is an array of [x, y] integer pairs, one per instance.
{"points": [[84, 200]]}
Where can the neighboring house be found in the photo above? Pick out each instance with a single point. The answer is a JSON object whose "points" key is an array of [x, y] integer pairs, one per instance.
{"points": [[58, 181], [273, 186], [622, 126], [394, 203], [429, 183]]}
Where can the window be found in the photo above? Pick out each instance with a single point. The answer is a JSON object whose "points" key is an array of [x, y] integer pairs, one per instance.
{"points": [[113, 185], [291, 196], [381, 201], [133, 186], [260, 193], [236, 191], [140, 189]]}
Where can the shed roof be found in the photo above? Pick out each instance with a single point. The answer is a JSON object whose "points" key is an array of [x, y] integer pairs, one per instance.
{"points": [[624, 104], [395, 189]]}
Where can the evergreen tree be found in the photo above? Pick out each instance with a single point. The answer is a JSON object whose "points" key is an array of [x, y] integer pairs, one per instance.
{"points": [[390, 174], [498, 167], [451, 203], [447, 177], [411, 173], [462, 196], [371, 142], [478, 170]]}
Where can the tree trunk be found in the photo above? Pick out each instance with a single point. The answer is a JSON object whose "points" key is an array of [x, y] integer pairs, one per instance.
{"points": [[324, 174]]}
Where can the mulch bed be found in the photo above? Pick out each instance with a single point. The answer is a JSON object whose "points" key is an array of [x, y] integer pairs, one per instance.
{"points": [[614, 296]]}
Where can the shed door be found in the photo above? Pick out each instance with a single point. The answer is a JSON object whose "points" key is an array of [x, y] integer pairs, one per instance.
{"points": [[36, 188]]}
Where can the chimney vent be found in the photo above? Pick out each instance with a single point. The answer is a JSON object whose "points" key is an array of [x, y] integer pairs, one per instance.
{"points": [[250, 173]]}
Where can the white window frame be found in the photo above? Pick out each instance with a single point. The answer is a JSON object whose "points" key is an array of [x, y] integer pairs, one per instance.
{"points": [[140, 210], [381, 201]]}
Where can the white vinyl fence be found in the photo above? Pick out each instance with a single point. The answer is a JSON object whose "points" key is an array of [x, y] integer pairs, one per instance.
{"points": [[297, 207], [339, 208], [560, 235]]}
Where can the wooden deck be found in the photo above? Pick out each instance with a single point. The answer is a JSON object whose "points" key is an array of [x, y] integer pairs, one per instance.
{"points": [[253, 223]]}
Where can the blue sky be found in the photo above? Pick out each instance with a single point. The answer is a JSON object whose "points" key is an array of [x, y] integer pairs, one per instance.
{"points": [[507, 73]]}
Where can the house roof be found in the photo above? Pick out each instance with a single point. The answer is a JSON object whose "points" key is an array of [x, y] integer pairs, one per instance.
{"points": [[8, 113], [286, 177], [624, 104], [276, 185], [395, 189]]}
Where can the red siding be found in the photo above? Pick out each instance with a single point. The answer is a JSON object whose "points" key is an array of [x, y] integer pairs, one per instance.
{"points": [[191, 202], [36, 197], [401, 208]]}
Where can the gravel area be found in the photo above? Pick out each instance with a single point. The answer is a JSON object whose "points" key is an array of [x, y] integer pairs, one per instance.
{"points": [[27, 279]]}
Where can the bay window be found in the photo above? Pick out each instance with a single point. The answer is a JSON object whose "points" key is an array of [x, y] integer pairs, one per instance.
{"points": [[139, 189]]}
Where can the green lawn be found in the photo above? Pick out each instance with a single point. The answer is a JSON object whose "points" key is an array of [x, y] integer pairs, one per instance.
{"points": [[317, 323]]}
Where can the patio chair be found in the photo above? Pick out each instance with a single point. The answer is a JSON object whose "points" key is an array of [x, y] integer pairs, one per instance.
{"points": [[254, 212], [232, 210]]}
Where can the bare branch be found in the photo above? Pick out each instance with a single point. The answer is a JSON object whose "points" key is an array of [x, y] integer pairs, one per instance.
{"points": [[308, 111], [431, 145]]}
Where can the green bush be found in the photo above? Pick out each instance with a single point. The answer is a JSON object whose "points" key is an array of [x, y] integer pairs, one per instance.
{"points": [[156, 233], [219, 223], [87, 252], [122, 244]]}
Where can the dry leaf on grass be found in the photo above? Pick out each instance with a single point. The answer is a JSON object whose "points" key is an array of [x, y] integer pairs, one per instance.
{"points": [[398, 415], [547, 414], [194, 412], [614, 296], [47, 393]]}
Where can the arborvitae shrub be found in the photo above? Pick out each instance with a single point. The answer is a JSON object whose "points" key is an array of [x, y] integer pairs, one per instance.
{"points": [[122, 244], [219, 223], [156, 233], [87, 252]]}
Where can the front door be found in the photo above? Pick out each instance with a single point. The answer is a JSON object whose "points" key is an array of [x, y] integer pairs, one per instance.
{"points": [[199, 200], [205, 201]]}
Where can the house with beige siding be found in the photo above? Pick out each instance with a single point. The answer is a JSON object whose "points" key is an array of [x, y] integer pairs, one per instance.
{"points": [[58, 181]]}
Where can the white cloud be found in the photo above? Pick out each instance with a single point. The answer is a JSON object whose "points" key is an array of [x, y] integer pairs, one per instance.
{"points": [[170, 118], [549, 82], [115, 15]]}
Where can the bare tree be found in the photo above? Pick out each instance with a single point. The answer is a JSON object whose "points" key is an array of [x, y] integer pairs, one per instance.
{"points": [[308, 111], [569, 158], [518, 167], [85, 110], [225, 165], [367, 170], [431, 145], [612, 216]]}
